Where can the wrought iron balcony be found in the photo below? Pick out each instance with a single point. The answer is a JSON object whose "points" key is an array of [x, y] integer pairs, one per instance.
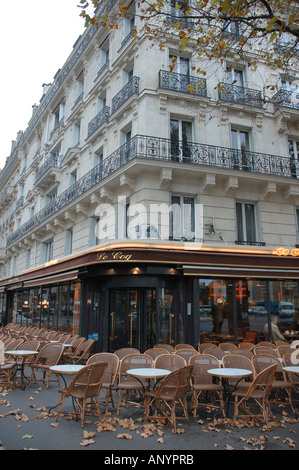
{"points": [[183, 83], [164, 150], [54, 161], [287, 98], [238, 94], [97, 121], [131, 88]]}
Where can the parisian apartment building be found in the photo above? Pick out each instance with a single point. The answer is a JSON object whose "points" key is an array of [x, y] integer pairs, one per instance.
{"points": [[146, 204]]}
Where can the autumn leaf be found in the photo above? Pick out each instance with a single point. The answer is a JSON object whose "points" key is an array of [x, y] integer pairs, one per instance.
{"points": [[124, 436], [87, 442]]}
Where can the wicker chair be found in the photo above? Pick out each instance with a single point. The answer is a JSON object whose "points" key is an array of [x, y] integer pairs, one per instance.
{"points": [[183, 346], [246, 345], [238, 361], [202, 347], [168, 347], [74, 342], [110, 374], [186, 353], [267, 344], [155, 352], [280, 382], [202, 383], [258, 392], [7, 369], [288, 360], [169, 395], [170, 362], [82, 352], [86, 385], [122, 352], [128, 384], [227, 346], [13, 344], [283, 349], [242, 352], [49, 355], [265, 350], [217, 353]]}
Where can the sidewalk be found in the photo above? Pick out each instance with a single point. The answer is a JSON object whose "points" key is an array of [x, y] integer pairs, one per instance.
{"points": [[25, 424]]}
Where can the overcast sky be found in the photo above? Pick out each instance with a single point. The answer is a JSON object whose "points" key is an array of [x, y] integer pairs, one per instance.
{"points": [[36, 39]]}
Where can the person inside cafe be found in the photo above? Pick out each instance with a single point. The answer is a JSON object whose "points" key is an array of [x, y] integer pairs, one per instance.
{"points": [[276, 335]]}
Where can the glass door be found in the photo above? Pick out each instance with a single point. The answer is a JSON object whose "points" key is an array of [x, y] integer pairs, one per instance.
{"points": [[141, 317]]}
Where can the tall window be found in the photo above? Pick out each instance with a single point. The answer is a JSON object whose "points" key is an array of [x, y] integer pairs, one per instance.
{"points": [[180, 76], [294, 157], [246, 223], [179, 12], [180, 139], [235, 76], [182, 218], [68, 242], [241, 145], [47, 251]]}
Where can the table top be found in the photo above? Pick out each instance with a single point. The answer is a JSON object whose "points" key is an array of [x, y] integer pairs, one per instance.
{"points": [[21, 352], [67, 368], [230, 372], [294, 369], [148, 372]]}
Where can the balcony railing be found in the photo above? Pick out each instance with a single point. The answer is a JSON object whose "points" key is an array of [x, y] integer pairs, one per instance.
{"points": [[97, 121], [238, 94], [287, 98], [131, 88], [54, 161], [183, 83], [164, 150]]}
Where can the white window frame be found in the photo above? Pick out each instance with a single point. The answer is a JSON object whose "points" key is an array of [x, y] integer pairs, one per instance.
{"points": [[244, 228]]}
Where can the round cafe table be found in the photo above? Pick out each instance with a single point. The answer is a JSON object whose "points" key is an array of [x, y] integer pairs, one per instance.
{"points": [[62, 370], [23, 354], [226, 373], [147, 373]]}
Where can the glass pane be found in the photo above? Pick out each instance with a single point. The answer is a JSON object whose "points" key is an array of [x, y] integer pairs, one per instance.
{"points": [[239, 221], [166, 315], [284, 306], [215, 310], [174, 138], [250, 223], [150, 315], [251, 300]]}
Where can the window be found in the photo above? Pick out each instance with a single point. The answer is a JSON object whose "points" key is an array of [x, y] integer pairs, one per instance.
{"points": [[28, 257], [129, 25], [51, 196], [179, 12], [246, 223], [80, 87], [76, 135], [179, 78], [47, 251], [58, 116], [241, 148], [104, 57], [73, 177], [182, 218], [235, 76], [294, 154], [180, 139], [93, 239], [68, 242]]}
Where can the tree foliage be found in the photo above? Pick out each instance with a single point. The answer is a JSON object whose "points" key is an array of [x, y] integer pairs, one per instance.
{"points": [[211, 28]]}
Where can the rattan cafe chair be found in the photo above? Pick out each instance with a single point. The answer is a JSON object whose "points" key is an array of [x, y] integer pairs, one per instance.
{"points": [[85, 387], [110, 374], [128, 384], [258, 392], [168, 397], [202, 383], [169, 362], [49, 355]]}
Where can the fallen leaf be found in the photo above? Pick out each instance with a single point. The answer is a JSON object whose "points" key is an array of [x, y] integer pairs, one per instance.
{"points": [[87, 442], [124, 436], [27, 436]]}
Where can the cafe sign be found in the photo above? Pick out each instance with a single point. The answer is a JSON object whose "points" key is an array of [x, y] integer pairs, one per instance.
{"points": [[115, 255], [281, 251]]}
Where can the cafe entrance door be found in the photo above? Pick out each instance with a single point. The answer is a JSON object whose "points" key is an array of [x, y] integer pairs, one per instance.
{"points": [[140, 317]]}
